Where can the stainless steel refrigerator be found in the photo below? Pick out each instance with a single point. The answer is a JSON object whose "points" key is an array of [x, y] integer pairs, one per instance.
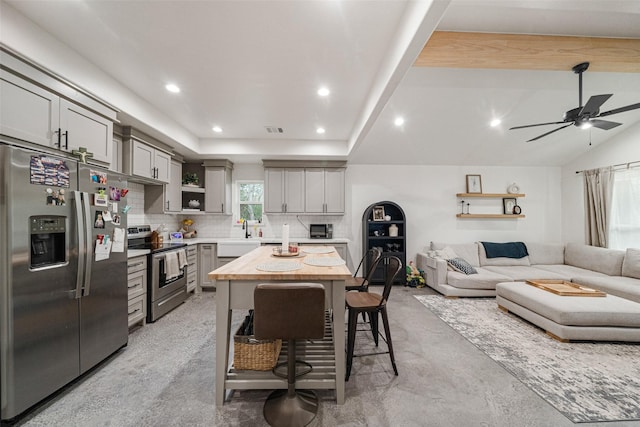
{"points": [[61, 311]]}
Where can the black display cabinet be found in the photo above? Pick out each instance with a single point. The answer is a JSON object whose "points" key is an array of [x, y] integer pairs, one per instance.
{"points": [[384, 227]]}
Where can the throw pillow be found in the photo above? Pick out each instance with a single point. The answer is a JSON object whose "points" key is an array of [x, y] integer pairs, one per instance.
{"points": [[459, 264]]}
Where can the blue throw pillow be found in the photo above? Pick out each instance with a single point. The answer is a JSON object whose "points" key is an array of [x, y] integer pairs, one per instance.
{"points": [[459, 264]]}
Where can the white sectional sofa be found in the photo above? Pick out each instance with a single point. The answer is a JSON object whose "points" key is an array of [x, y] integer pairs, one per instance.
{"points": [[613, 271]]}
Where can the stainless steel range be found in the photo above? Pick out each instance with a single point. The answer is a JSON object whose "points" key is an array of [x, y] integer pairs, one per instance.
{"points": [[164, 291]]}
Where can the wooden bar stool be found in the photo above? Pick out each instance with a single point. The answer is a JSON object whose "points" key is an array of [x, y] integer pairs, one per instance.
{"points": [[290, 311], [372, 303]]}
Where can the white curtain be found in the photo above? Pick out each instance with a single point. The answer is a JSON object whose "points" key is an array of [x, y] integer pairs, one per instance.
{"points": [[624, 224], [598, 191]]}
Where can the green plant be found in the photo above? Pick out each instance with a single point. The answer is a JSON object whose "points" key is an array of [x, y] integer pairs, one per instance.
{"points": [[190, 178]]}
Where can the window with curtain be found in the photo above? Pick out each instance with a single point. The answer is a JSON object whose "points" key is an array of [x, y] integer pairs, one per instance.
{"points": [[624, 227]]}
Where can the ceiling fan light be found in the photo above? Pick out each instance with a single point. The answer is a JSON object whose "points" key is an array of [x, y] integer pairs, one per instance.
{"points": [[495, 122], [586, 124]]}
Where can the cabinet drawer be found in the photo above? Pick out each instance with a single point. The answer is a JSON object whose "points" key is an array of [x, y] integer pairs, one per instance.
{"points": [[137, 283], [192, 282], [137, 264], [192, 250], [137, 310]]}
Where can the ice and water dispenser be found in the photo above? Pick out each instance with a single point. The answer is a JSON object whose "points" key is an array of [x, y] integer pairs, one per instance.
{"points": [[48, 237]]}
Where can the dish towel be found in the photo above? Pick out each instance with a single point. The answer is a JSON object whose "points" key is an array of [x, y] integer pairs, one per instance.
{"points": [[182, 258], [172, 267]]}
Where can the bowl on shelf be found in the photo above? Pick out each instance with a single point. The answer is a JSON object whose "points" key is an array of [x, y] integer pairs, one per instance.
{"points": [[194, 204]]}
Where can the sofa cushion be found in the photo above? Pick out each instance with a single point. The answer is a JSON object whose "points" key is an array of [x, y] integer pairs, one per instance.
{"points": [[631, 263], [545, 253], [484, 261], [522, 272], [459, 264], [484, 279], [607, 261], [624, 287], [467, 251], [568, 272]]}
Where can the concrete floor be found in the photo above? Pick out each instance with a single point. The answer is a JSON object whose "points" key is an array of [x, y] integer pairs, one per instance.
{"points": [[165, 377]]}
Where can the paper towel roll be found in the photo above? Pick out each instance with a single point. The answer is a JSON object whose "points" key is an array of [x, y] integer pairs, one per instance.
{"points": [[285, 238]]}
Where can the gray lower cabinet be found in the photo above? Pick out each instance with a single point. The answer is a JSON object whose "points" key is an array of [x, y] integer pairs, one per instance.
{"points": [[206, 264], [137, 285], [192, 268]]}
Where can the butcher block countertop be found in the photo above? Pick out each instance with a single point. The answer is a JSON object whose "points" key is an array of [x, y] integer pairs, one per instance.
{"points": [[244, 268]]}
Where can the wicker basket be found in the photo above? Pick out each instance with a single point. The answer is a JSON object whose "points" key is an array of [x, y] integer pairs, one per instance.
{"points": [[257, 355]]}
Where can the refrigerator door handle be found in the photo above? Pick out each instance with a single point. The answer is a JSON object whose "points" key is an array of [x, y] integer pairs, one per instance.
{"points": [[77, 201], [88, 243]]}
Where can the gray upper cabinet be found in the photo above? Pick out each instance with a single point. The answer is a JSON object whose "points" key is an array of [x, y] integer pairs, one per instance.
{"points": [[284, 190], [304, 187], [144, 158], [34, 114], [324, 190], [173, 189], [217, 179]]}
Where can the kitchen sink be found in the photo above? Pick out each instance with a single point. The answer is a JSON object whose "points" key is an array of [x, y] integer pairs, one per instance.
{"points": [[236, 248]]}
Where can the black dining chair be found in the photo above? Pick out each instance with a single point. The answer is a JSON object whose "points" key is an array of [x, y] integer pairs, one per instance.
{"points": [[369, 261], [373, 304], [290, 311]]}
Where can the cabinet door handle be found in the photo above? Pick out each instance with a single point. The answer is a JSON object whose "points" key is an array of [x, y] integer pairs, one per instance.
{"points": [[59, 132], [168, 204], [136, 264], [221, 207], [66, 140]]}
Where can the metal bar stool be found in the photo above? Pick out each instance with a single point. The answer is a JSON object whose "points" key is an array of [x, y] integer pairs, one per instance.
{"points": [[372, 303], [361, 284], [290, 311]]}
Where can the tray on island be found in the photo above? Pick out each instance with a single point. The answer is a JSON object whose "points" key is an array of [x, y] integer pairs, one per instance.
{"points": [[564, 288], [287, 254]]}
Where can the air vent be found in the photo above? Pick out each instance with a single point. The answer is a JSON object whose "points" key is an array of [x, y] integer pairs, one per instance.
{"points": [[273, 129]]}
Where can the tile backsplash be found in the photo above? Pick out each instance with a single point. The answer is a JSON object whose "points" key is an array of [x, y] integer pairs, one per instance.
{"points": [[212, 225]]}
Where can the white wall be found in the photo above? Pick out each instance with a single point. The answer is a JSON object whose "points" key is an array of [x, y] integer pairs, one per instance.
{"points": [[623, 148], [427, 194]]}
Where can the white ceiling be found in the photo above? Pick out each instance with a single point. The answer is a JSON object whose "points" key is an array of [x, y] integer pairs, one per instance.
{"points": [[244, 65]]}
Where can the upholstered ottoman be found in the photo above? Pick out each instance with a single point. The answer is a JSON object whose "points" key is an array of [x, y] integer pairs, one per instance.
{"points": [[572, 318]]}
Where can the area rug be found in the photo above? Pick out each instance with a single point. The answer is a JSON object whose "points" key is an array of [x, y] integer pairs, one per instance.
{"points": [[587, 382]]}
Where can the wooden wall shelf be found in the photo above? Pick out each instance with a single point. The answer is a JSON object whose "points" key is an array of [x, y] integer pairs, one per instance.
{"points": [[489, 195], [494, 216]]}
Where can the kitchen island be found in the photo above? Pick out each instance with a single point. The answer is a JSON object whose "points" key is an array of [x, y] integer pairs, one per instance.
{"points": [[235, 283]]}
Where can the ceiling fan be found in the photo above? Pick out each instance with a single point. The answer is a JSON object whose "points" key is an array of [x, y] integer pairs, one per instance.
{"points": [[584, 116]]}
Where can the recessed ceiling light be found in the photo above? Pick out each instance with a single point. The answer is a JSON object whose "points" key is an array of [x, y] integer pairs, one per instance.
{"points": [[172, 88], [495, 122], [323, 91], [320, 130], [217, 129], [399, 121]]}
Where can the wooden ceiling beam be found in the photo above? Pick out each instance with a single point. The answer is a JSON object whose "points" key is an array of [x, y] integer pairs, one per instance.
{"points": [[529, 52]]}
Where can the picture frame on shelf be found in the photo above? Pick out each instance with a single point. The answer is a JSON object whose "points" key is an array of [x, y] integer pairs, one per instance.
{"points": [[474, 184], [378, 213], [508, 205]]}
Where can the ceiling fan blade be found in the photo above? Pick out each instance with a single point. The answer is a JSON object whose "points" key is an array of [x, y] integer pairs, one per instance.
{"points": [[538, 124], [548, 133], [620, 110], [593, 104], [604, 124]]}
